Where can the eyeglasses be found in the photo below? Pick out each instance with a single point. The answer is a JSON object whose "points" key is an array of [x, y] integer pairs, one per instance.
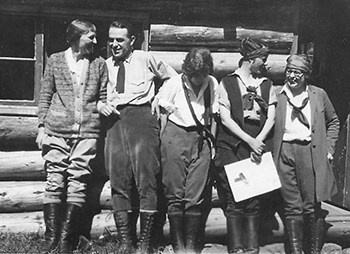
{"points": [[297, 73]]}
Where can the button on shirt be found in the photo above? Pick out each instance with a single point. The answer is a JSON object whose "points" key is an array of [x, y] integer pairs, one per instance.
{"points": [[140, 70], [172, 98], [294, 129], [253, 114]]}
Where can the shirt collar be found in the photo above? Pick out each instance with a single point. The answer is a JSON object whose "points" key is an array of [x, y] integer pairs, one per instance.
{"points": [[285, 89]]}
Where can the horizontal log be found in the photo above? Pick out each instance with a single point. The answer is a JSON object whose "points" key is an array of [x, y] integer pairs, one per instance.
{"points": [[21, 165], [225, 63], [216, 38], [18, 133], [23, 196]]}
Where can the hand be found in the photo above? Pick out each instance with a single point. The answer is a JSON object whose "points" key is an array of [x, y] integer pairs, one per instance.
{"points": [[329, 157], [40, 137], [255, 157], [213, 152], [257, 146], [155, 108], [107, 110]]}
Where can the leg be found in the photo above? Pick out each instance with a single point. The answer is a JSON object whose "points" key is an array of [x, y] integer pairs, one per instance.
{"points": [[82, 153], [176, 222], [122, 222], [147, 220], [192, 228], [56, 153]]}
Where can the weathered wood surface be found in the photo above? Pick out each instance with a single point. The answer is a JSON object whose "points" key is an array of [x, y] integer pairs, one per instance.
{"points": [[27, 196], [21, 165], [261, 14], [225, 63], [21, 196], [18, 132], [215, 38]]}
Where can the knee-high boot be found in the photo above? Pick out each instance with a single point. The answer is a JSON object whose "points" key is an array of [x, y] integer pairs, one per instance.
{"points": [[143, 245], [252, 234], [235, 233], [192, 228], [157, 238], [133, 217], [123, 228], [295, 234], [52, 219], [69, 231], [176, 222], [315, 234]]}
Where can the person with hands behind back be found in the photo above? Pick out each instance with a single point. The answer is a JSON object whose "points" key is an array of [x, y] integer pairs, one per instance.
{"points": [[69, 126], [247, 110]]}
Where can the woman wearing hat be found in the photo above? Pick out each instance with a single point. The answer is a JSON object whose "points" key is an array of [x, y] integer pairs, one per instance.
{"points": [[247, 110], [306, 129]]}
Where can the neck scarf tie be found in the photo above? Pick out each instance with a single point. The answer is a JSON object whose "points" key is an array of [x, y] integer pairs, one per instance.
{"points": [[297, 112], [250, 97]]}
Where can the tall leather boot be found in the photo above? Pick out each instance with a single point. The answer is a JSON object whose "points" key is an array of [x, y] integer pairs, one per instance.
{"points": [[133, 217], [143, 245], [192, 229], [122, 223], [69, 231], [235, 233], [157, 238], [176, 222], [315, 234], [52, 219], [252, 234], [295, 234]]}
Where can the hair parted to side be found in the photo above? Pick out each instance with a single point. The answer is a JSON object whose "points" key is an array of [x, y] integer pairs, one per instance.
{"points": [[124, 24], [198, 61], [77, 28]]}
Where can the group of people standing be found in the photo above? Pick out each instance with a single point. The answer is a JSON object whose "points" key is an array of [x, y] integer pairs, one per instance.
{"points": [[160, 148]]}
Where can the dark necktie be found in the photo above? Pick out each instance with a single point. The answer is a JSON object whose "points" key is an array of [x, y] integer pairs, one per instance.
{"points": [[120, 78], [250, 97], [297, 112]]}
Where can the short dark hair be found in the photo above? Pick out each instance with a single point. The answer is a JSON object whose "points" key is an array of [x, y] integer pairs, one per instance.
{"points": [[198, 61], [77, 28], [124, 24]]}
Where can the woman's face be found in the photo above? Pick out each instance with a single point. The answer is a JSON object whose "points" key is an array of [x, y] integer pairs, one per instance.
{"points": [[294, 78], [258, 66], [198, 79], [87, 43]]}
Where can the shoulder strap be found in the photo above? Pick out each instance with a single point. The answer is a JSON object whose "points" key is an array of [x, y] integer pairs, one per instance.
{"points": [[189, 103]]}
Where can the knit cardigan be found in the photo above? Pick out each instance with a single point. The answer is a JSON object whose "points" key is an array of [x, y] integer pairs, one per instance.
{"points": [[57, 105]]}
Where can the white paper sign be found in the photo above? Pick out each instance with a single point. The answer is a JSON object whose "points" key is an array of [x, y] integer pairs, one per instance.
{"points": [[248, 179]]}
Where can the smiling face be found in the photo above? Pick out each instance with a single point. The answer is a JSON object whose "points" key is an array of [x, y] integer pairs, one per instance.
{"points": [[120, 43], [87, 43], [295, 78]]}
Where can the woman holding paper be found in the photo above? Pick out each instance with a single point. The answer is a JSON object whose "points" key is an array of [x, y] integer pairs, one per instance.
{"points": [[247, 114], [306, 130]]}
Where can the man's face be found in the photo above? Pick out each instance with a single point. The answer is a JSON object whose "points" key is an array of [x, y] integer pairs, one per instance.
{"points": [[258, 67], [120, 43], [294, 78], [87, 43]]}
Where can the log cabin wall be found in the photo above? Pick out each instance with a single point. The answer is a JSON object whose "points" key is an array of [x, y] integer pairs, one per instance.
{"points": [[169, 29]]}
